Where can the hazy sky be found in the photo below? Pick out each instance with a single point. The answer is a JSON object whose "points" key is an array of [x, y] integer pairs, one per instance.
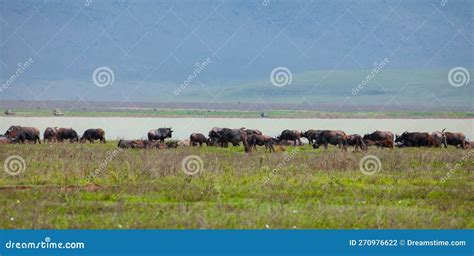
{"points": [[158, 45]]}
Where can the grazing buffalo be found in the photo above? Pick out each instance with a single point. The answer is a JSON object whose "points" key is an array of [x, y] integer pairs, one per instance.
{"points": [[50, 134], [67, 134], [356, 141], [457, 139], [416, 139], [439, 138], [93, 134], [22, 134], [379, 138], [160, 134], [331, 137], [261, 140], [214, 135], [198, 138], [311, 135], [292, 135], [234, 136]]}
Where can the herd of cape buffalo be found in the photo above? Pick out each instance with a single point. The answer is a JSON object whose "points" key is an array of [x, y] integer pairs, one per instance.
{"points": [[248, 137]]}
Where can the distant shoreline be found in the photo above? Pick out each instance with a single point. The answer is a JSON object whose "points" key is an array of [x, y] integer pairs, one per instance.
{"points": [[232, 114], [230, 110]]}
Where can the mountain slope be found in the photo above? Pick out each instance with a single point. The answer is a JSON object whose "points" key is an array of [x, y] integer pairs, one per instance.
{"points": [[153, 47]]}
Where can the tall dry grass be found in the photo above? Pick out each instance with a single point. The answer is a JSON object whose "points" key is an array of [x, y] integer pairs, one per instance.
{"points": [[98, 186]]}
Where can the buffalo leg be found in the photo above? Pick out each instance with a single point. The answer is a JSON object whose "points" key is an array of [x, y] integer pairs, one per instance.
{"points": [[344, 145], [270, 146]]}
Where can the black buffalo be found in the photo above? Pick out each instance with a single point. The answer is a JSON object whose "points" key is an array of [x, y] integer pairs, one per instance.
{"points": [[379, 138], [93, 134], [50, 134], [214, 135], [311, 135], [160, 134], [234, 136], [415, 139], [331, 137], [22, 134], [356, 141], [68, 134], [292, 135], [261, 140], [457, 139]]}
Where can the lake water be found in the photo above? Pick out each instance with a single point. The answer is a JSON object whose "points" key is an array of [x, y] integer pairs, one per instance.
{"points": [[136, 128]]}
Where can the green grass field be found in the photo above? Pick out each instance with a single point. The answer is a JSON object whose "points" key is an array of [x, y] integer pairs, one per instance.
{"points": [[84, 186]]}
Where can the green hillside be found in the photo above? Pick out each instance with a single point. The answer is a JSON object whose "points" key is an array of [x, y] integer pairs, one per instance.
{"points": [[423, 87]]}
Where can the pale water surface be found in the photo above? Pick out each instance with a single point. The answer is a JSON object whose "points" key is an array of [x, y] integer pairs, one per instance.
{"points": [[137, 127]]}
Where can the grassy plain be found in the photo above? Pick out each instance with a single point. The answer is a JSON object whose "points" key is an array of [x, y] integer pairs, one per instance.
{"points": [[84, 186]]}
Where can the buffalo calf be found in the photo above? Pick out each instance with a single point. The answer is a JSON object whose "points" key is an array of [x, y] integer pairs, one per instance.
{"points": [[198, 138]]}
